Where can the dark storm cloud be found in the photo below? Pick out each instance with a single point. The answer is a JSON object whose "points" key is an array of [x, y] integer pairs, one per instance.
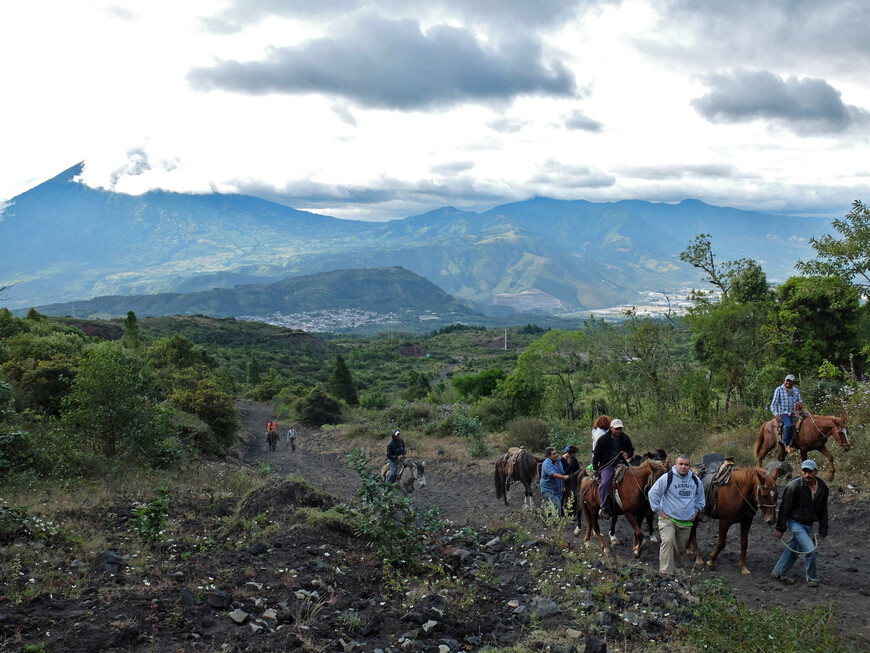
{"points": [[392, 64], [579, 120], [806, 106]]}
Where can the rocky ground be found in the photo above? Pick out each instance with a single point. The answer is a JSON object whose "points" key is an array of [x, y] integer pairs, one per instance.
{"points": [[252, 574]]}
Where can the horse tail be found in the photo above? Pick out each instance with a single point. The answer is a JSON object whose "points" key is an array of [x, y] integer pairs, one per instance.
{"points": [[499, 483], [759, 443]]}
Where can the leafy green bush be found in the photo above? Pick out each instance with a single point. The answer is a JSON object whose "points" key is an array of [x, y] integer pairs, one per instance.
{"points": [[528, 432], [317, 407], [374, 401], [466, 426], [409, 415]]}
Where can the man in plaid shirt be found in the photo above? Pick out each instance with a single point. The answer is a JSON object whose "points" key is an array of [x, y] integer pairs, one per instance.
{"points": [[785, 397]]}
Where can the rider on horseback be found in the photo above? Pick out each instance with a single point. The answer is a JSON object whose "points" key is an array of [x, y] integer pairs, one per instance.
{"points": [[611, 448], [395, 453], [784, 405]]}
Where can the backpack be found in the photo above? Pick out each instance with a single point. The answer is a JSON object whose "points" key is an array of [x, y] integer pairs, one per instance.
{"points": [[671, 478]]}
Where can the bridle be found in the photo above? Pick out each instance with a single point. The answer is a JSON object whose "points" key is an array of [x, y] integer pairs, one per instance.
{"points": [[840, 435]]}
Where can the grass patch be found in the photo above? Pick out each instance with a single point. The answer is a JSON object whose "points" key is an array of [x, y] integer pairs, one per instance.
{"points": [[728, 625]]}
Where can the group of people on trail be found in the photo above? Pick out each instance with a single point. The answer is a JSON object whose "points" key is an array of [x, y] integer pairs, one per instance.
{"points": [[677, 497], [292, 434]]}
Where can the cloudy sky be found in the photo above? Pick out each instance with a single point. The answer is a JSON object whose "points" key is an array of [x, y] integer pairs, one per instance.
{"points": [[383, 109]]}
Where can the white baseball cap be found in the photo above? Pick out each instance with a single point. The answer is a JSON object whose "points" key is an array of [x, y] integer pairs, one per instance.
{"points": [[616, 424]]}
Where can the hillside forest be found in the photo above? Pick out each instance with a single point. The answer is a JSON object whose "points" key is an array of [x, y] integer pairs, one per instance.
{"points": [[91, 404]]}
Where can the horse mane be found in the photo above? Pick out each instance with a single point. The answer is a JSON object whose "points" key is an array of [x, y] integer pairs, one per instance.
{"points": [[742, 474], [652, 464]]}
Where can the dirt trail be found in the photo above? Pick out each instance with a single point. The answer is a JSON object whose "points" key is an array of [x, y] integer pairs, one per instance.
{"points": [[463, 493]]}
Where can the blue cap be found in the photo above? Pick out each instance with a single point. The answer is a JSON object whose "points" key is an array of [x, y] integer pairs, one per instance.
{"points": [[810, 465]]}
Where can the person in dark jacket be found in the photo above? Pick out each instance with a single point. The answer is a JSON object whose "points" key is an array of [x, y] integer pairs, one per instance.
{"points": [[395, 453], [611, 448], [570, 464], [804, 502]]}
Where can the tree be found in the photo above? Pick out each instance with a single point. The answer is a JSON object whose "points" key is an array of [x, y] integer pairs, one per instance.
{"points": [[482, 384], [699, 254], [253, 370], [110, 405], [554, 359], [131, 331], [317, 407], [849, 256], [341, 383], [418, 386], [821, 316]]}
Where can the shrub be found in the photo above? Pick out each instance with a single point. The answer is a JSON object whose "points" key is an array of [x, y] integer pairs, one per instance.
{"points": [[409, 415], [466, 427], [388, 520], [528, 432], [374, 401], [317, 407]]}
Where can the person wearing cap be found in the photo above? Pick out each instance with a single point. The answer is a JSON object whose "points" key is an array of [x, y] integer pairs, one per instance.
{"points": [[611, 448], [552, 479], [570, 464], [785, 397], [395, 453], [804, 502]]}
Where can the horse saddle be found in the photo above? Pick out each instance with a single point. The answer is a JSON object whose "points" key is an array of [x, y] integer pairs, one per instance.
{"points": [[618, 475], [511, 457]]}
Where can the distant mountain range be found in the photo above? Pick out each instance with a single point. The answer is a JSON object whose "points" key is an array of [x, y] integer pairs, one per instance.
{"points": [[403, 295], [63, 241]]}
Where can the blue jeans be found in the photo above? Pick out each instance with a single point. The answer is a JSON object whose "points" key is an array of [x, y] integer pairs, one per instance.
{"points": [[394, 466], [556, 500], [787, 429], [801, 540]]}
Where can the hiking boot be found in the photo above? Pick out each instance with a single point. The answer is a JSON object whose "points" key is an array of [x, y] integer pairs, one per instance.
{"points": [[785, 580], [812, 583]]}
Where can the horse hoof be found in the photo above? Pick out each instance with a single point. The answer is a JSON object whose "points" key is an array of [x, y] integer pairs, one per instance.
{"points": [[710, 564], [577, 532], [745, 571], [614, 541]]}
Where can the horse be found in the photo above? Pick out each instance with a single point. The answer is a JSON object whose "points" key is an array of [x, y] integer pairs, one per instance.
{"points": [[661, 456], [272, 439], [516, 465], [810, 435], [737, 502], [633, 492], [407, 474]]}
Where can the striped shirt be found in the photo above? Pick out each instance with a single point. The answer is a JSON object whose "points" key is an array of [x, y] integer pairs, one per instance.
{"points": [[784, 400]]}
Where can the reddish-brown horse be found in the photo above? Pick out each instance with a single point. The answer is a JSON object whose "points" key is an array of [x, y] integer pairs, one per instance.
{"points": [[633, 494], [811, 435], [522, 467], [737, 502]]}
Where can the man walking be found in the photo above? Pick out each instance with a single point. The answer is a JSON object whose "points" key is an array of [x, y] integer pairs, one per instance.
{"points": [[677, 497], [551, 480], [292, 435], [785, 397], [804, 502]]}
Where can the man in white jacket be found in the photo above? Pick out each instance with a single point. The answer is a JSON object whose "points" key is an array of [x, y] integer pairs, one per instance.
{"points": [[677, 497]]}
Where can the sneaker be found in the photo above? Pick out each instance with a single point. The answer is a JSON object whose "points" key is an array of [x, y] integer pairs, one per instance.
{"points": [[785, 580], [812, 583]]}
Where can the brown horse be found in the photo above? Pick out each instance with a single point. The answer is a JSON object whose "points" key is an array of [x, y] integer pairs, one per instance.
{"points": [[272, 439], [737, 502], [811, 434], [633, 493], [516, 466]]}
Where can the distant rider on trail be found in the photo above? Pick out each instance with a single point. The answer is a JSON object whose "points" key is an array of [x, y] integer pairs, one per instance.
{"points": [[395, 453]]}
